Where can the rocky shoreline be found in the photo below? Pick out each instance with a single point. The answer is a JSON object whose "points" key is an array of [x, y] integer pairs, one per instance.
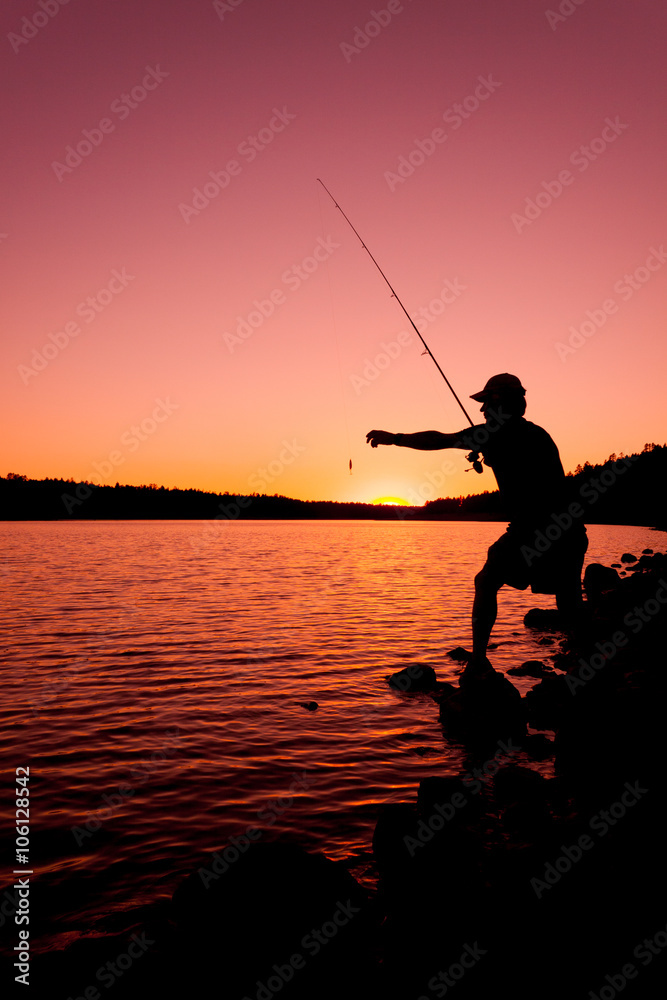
{"points": [[494, 879]]}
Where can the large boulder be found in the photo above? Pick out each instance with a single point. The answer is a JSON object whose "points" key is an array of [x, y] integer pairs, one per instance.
{"points": [[459, 654], [296, 922], [485, 707], [531, 668], [543, 618], [416, 677], [395, 823], [599, 579], [549, 701]]}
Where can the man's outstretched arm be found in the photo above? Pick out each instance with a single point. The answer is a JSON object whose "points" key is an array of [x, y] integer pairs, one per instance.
{"points": [[422, 440]]}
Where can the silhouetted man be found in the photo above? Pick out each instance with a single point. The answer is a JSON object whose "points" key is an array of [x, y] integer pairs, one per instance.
{"points": [[545, 542]]}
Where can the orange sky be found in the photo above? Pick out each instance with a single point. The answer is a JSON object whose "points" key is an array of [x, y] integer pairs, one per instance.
{"points": [[228, 340]]}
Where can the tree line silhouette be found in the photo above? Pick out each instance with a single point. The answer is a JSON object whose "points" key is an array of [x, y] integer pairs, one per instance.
{"points": [[625, 489]]}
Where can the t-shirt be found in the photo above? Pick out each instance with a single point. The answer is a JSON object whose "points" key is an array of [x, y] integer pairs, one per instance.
{"points": [[527, 467]]}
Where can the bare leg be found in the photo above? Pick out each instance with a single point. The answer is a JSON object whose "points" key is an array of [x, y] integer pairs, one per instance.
{"points": [[484, 612], [569, 598]]}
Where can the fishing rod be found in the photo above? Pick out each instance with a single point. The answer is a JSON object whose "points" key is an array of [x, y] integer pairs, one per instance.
{"points": [[476, 464]]}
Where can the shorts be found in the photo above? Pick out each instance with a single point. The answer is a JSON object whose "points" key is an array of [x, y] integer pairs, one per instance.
{"points": [[526, 557]]}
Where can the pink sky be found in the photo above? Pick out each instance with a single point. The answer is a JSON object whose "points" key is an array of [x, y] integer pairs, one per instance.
{"points": [[569, 112]]}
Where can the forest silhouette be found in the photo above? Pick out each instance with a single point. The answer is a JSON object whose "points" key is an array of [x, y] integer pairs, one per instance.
{"points": [[625, 489]]}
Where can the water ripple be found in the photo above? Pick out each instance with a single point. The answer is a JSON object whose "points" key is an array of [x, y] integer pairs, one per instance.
{"points": [[153, 673]]}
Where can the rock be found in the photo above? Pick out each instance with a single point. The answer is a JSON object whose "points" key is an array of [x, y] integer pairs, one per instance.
{"points": [[485, 707], [422, 857], [531, 668], [548, 701], [443, 689], [395, 822], [538, 746], [616, 565], [628, 557], [416, 677], [459, 653], [272, 894], [598, 579], [523, 795], [543, 618], [566, 660], [450, 798], [518, 784], [647, 552], [310, 705], [436, 791]]}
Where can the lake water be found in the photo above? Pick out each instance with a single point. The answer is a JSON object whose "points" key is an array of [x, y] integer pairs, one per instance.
{"points": [[153, 673]]}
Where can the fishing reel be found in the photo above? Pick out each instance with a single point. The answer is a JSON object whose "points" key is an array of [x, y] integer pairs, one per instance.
{"points": [[476, 464]]}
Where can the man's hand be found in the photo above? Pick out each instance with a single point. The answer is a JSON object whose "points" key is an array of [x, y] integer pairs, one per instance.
{"points": [[374, 438]]}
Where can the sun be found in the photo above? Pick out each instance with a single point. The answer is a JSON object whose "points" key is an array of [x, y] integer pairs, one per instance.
{"points": [[391, 501]]}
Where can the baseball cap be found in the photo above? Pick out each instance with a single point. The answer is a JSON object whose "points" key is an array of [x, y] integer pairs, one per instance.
{"points": [[499, 384]]}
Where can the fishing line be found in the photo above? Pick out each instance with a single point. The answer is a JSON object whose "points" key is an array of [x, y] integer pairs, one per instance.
{"points": [[336, 339], [476, 464]]}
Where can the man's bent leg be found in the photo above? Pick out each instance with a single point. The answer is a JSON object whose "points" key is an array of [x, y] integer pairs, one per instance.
{"points": [[484, 612], [569, 597]]}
